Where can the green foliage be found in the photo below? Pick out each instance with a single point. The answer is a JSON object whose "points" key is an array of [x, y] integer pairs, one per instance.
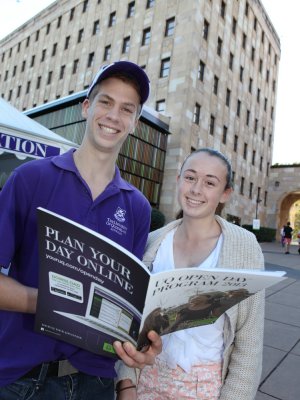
{"points": [[263, 234], [157, 219], [297, 225]]}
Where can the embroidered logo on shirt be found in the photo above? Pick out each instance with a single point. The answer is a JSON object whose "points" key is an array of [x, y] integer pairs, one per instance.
{"points": [[120, 214]]}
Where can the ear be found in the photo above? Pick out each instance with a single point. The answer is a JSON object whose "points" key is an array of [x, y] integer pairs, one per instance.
{"points": [[84, 108], [226, 195]]}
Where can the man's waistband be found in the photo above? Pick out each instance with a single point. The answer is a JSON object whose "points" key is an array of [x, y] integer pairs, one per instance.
{"points": [[55, 369]]}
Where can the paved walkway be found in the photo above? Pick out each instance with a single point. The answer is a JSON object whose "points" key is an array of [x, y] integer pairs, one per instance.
{"points": [[281, 359]]}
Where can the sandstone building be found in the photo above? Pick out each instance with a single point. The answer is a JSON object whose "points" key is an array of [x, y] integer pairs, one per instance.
{"points": [[213, 66]]}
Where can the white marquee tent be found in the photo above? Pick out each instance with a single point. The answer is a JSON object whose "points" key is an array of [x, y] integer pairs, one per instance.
{"points": [[25, 137], [21, 137]]}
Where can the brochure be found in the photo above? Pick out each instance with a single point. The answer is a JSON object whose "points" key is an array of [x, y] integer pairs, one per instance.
{"points": [[93, 291]]}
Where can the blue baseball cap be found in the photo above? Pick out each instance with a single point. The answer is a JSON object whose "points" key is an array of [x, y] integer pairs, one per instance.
{"points": [[127, 68]]}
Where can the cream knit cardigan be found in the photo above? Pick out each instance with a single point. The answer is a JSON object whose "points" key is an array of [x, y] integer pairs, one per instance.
{"points": [[243, 328]]}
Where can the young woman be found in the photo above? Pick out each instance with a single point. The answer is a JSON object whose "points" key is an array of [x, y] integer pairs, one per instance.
{"points": [[222, 360]]}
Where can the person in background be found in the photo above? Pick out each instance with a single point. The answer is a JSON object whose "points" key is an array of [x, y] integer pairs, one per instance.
{"points": [[83, 185], [282, 236], [287, 230], [222, 360]]}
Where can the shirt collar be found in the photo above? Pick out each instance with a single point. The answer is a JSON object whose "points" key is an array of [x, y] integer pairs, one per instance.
{"points": [[66, 161]]}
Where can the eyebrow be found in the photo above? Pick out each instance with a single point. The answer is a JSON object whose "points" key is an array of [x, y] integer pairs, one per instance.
{"points": [[208, 175], [101, 95]]}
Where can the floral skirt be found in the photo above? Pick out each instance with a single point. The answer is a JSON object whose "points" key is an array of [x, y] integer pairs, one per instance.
{"points": [[159, 382]]}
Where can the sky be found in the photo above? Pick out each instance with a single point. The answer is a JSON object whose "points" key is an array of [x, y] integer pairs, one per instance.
{"points": [[284, 15]]}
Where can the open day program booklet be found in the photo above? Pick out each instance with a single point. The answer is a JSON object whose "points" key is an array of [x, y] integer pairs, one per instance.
{"points": [[93, 291]]}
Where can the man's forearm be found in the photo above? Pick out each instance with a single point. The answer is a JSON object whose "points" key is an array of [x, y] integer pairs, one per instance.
{"points": [[16, 297]]}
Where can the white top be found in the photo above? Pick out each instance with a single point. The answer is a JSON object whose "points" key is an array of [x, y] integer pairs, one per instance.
{"points": [[192, 346]]}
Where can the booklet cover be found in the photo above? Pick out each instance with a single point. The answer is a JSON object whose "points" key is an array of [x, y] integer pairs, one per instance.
{"points": [[93, 291]]}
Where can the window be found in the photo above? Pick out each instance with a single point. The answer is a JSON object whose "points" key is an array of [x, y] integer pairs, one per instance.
{"points": [[260, 65], [201, 70], [238, 108], [170, 27], [234, 23], [27, 87], [270, 139], [274, 85], [196, 116], [219, 47], [85, 6], [112, 19], [23, 65], [19, 91], [126, 45], [14, 71], [253, 157], [54, 49], [3, 57], [268, 75], [27, 42], [96, 28], [131, 9], [255, 125], [38, 82], [48, 29], [75, 66], [255, 23], [253, 53], [150, 3], [205, 30], [43, 55], [49, 77], [90, 60], [265, 199], [268, 169], [216, 84], [9, 95], [246, 9], [248, 117], [37, 34], [250, 190], [242, 185], [164, 68], [211, 129], [80, 35], [32, 61], [67, 42], [245, 151], [223, 9], [160, 106], [231, 61], [263, 134], [241, 73], [224, 137], [261, 163], [228, 95], [266, 104], [262, 36], [272, 112], [107, 52], [62, 71], [72, 13], [258, 95], [235, 142], [244, 40], [58, 22], [250, 85], [146, 37]]}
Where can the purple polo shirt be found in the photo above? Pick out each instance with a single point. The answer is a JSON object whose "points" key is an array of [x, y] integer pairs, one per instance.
{"points": [[121, 213]]}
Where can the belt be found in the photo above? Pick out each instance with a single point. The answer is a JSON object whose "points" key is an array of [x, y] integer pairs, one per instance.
{"points": [[55, 369]]}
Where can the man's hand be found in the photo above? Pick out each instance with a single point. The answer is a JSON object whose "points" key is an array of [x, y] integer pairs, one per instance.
{"points": [[138, 359]]}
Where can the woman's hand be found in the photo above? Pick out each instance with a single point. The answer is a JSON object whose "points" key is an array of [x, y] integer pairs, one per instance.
{"points": [[138, 359]]}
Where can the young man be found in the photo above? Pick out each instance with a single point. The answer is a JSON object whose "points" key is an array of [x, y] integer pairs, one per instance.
{"points": [[85, 186], [287, 230]]}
